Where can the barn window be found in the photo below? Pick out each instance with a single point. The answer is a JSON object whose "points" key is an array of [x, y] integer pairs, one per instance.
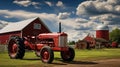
{"points": [[37, 26]]}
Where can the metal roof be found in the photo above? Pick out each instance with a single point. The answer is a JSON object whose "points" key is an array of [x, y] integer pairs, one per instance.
{"points": [[102, 27], [17, 26]]}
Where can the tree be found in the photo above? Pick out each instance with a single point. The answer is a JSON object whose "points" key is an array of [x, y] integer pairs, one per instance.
{"points": [[71, 42], [115, 35]]}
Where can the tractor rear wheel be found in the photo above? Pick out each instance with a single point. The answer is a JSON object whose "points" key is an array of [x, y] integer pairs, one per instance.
{"points": [[16, 48], [68, 55], [46, 54]]}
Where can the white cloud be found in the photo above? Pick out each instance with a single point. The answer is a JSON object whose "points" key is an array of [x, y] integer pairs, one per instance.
{"points": [[81, 20], [35, 4], [3, 24], [26, 3], [107, 11], [60, 4], [21, 14], [49, 3], [113, 1], [68, 26], [63, 15]]}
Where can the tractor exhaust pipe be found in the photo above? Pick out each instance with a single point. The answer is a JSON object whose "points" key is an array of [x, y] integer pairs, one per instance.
{"points": [[59, 27]]}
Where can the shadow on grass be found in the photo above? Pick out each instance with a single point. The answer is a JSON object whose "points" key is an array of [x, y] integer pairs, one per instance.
{"points": [[38, 59], [77, 62], [58, 63], [83, 62], [31, 59], [63, 62]]}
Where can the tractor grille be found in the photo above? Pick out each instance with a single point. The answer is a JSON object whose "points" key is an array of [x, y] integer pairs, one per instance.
{"points": [[62, 41]]}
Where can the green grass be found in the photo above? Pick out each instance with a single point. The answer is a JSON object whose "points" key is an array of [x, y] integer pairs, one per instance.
{"points": [[96, 54], [30, 60]]}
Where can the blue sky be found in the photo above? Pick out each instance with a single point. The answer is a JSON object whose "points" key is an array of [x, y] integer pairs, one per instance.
{"points": [[39, 6], [78, 17]]}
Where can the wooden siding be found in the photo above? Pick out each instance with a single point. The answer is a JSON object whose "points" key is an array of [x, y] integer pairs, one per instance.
{"points": [[5, 37], [30, 31]]}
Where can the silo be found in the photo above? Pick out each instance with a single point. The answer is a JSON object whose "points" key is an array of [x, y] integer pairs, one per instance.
{"points": [[102, 31]]}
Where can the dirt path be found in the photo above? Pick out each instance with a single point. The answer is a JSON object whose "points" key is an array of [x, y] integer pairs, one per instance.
{"points": [[99, 63]]}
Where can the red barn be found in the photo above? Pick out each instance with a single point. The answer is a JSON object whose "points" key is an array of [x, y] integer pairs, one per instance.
{"points": [[90, 39], [30, 27]]}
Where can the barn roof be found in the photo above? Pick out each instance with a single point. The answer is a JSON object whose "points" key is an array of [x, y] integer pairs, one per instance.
{"points": [[17, 26]]}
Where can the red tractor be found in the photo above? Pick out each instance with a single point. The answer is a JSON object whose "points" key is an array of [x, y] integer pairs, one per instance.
{"points": [[43, 45]]}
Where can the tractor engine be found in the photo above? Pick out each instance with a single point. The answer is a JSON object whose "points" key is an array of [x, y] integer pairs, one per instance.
{"points": [[53, 39]]}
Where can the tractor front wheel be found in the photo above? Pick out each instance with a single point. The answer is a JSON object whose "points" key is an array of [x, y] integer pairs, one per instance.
{"points": [[68, 55], [46, 54], [16, 47]]}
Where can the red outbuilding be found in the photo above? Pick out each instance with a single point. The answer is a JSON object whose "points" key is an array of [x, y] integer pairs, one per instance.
{"points": [[30, 27]]}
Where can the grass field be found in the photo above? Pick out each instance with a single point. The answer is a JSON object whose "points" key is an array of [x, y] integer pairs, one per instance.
{"points": [[30, 60]]}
